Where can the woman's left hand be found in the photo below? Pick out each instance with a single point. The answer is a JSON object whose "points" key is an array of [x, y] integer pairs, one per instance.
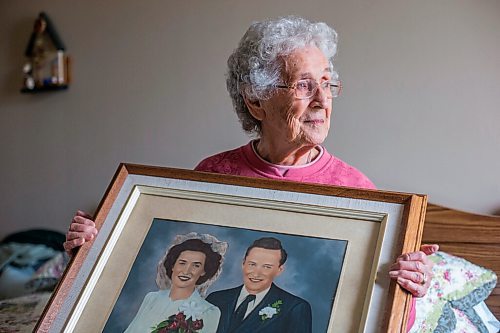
{"points": [[413, 271]]}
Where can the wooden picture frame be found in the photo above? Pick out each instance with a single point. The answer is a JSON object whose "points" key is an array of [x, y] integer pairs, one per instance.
{"points": [[377, 226]]}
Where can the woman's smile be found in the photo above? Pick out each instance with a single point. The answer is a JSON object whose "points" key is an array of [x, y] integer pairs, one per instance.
{"points": [[184, 277], [314, 121]]}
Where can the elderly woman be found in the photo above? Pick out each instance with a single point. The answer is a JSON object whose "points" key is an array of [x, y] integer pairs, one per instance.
{"points": [[189, 267], [282, 82]]}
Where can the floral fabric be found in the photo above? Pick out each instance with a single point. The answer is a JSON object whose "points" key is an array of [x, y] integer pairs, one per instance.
{"points": [[47, 276], [457, 286]]}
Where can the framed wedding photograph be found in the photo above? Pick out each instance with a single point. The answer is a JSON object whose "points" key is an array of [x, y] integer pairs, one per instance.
{"points": [[176, 247]]}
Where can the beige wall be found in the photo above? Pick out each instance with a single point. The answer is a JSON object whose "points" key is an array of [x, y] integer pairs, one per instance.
{"points": [[419, 112]]}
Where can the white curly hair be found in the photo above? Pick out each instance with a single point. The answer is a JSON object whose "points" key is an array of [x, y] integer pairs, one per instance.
{"points": [[254, 67]]}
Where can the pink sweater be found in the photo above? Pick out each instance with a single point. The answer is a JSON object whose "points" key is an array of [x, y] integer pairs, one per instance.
{"points": [[325, 169]]}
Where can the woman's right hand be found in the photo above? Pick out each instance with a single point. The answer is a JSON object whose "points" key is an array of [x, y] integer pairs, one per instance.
{"points": [[81, 230]]}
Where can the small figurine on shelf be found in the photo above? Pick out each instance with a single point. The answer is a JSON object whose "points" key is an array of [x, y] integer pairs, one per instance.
{"points": [[29, 81], [48, 66]]}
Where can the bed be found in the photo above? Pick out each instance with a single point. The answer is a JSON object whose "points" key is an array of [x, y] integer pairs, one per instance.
{"points": [[470, 236]]}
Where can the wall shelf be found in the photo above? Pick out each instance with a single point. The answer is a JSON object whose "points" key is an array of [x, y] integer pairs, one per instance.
{"points": [[43, 89], [48, 66]]}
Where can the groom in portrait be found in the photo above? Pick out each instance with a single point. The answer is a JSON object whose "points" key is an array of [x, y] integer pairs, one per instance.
{"points": [[259, 306]]}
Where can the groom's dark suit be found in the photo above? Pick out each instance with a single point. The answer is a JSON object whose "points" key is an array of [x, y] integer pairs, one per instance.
{"points": [[294, 315]]}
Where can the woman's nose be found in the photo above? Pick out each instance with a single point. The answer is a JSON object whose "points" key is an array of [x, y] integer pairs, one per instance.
{"points": [[322, 96], [320, 99]]}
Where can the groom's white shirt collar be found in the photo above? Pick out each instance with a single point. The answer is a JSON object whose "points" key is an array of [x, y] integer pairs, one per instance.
{"points": [[258, 298]]}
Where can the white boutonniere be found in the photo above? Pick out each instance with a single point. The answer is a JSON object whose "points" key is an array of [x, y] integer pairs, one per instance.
{"points": [[269, 311]]}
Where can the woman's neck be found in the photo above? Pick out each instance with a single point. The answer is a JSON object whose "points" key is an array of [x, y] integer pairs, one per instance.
{"points": [[180, 293], [287, 156]]}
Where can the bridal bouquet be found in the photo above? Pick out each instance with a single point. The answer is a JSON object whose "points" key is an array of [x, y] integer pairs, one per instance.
{"points": [[178, 323]]}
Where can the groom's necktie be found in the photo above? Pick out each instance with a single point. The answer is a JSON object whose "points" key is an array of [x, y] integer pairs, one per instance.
{"points": [[239, 314]]}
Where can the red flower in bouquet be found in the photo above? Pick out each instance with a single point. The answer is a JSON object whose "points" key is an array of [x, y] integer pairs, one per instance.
{"points": [[178, 324], [180, 316], [173, 325], [197, 324]]}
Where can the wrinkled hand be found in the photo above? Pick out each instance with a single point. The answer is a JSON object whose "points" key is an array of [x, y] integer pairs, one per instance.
{"points": [[81, 230], [413, 271]]}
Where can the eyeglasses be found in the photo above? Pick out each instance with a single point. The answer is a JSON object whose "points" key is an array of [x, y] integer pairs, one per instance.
{"points": [[306, 88]]}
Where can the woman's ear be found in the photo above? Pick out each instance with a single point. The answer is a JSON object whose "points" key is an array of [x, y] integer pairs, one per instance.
{"points": [[255, 108]]}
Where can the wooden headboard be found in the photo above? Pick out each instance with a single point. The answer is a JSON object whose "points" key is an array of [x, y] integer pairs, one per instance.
{"points": [[470, 236]]}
